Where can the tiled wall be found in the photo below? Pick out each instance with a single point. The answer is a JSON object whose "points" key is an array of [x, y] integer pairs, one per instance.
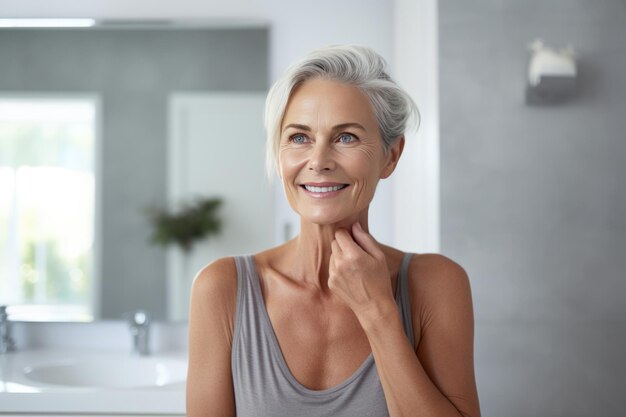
{"points": [[533, 203]]}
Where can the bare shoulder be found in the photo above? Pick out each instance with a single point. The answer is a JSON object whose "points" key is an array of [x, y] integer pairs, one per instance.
{"points": [[214, 295], [440, 291], [219, 275], [437, 272]]}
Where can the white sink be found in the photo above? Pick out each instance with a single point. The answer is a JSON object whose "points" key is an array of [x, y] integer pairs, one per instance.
{"points": [[109, 372]]}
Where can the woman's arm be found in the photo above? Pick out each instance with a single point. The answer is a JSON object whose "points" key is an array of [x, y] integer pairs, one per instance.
{"points": [[211, 322], [438, 379], [440, 375]]}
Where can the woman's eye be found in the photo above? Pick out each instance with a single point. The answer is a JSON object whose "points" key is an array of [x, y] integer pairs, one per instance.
{"points": [[298, 139], [346, 138]]}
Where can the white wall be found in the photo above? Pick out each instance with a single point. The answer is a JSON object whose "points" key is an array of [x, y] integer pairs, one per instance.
{"points": [[416, 181]]}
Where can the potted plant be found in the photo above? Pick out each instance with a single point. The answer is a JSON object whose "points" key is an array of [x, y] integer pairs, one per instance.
{"points": [[194, 221]]}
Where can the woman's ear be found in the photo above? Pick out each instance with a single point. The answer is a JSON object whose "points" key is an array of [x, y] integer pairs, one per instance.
{"points": [[393, 156]]}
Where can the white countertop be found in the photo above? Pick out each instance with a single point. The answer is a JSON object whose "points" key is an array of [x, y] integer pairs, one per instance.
{"points": [[18, 394]]}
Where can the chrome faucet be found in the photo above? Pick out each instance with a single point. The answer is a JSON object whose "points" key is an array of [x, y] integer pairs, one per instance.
{"points": [[139, 325], [6, 341]]}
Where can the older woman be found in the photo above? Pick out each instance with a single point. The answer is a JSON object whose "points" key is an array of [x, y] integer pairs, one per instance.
{"points": [[333, 323]]}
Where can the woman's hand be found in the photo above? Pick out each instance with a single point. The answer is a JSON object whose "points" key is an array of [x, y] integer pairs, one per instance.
{"points": [[359, 275]]}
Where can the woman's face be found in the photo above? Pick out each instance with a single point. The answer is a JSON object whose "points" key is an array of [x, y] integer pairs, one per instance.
{"points": [[331, 154]]}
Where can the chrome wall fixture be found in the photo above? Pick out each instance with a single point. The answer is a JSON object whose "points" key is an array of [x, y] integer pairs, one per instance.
{"points": [[552, 74]]}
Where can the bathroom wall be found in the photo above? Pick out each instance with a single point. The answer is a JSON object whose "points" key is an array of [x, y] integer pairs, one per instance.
{"points": [[533, 203], [134, 71]]}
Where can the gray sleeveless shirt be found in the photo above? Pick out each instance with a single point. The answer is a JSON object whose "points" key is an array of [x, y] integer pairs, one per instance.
{"points": [[263, 384]]}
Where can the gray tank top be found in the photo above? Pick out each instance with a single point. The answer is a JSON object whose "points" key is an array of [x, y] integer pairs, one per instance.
{"points": [[263, 384]]}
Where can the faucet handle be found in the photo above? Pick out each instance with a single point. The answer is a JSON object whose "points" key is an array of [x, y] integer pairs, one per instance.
{"points": [[139, 325], [3, 313], [138, 318]]}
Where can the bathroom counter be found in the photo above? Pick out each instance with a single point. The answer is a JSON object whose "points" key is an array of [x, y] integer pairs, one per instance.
{"points": [[20, 394]]}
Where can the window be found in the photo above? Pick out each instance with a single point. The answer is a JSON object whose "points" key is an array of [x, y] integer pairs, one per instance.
{"points": [[47, 204]]}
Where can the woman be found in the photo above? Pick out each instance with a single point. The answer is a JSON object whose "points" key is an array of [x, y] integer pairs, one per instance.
{"points": [[333, 323]]}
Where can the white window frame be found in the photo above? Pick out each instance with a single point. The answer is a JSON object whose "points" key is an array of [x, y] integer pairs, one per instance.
{"points": [[56, 313]]}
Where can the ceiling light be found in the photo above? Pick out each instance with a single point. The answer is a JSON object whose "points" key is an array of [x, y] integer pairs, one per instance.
{"points": [[46, 23]]}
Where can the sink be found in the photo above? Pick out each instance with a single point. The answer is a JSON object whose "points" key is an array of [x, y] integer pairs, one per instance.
{"points": [[109, 372]]}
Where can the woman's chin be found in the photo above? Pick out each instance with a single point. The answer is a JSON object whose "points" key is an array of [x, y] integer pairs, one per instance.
{"points": [[330, 220]]}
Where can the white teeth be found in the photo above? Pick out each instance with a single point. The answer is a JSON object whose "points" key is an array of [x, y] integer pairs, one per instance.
{"points": [[323, 189]]}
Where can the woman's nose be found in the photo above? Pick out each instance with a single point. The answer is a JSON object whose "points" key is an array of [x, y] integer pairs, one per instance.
{"points": [[321, 158]]}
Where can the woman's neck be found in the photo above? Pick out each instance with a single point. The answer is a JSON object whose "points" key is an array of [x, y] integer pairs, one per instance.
{"points": [[312, 249]]}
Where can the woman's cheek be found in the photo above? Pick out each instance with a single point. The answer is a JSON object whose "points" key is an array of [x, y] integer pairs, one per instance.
{"points": [[364, 192], [291, 156]]}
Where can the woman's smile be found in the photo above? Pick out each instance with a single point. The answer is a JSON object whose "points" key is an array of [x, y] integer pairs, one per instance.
{"points": [[323, 189]]}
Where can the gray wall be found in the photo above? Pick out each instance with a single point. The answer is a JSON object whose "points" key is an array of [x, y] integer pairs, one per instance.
{"points": [[533, 203], [133, 71]]}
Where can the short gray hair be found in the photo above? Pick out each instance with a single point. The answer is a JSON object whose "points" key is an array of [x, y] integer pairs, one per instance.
{"points": [[350, 64]]}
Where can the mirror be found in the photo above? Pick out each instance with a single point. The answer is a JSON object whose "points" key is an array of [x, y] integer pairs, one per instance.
{"points": [[132, 72]]}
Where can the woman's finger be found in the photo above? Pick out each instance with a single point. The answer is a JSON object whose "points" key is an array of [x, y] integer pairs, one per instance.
{"points": [[346, 243], [365, 240], [335, 249]]}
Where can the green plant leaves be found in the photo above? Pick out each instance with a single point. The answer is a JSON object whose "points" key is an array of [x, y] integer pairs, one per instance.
{"points": [[195, 221]]}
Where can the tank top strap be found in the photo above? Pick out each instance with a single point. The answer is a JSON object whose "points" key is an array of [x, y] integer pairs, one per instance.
{"points": [[249, 292], [403, 298], [249, 322]]}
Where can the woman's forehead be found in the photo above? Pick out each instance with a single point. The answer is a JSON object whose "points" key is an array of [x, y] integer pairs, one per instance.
{"points": [[320, 101]]}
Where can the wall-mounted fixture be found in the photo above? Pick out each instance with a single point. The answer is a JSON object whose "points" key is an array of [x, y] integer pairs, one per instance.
{"points": [[551, 74]]}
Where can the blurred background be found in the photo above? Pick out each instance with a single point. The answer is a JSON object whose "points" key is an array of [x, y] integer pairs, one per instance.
{"points": [[521, 183]]}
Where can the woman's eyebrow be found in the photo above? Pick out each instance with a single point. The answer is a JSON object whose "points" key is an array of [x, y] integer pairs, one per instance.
{"points": [[346, 125], [336, 127], [297, 126]]}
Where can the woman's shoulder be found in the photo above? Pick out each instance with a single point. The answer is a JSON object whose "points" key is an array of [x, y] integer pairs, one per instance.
{"points": [[437, 280], [214, 300], [435, 263], [217, 279], [434, 269], [220, 276], [222, 273]]}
